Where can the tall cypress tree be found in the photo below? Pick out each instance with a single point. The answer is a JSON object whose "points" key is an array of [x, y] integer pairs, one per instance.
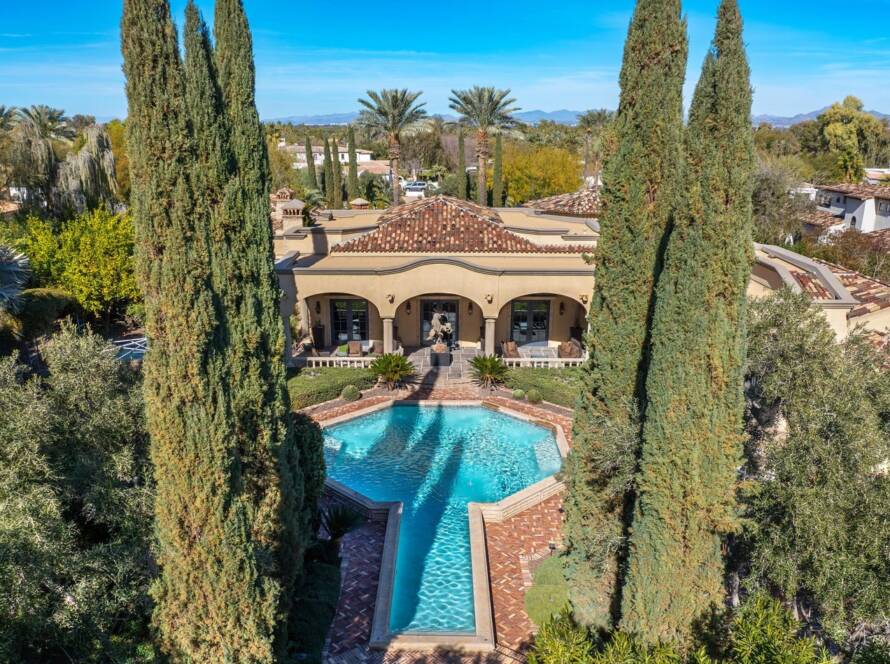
{"points": [[352, 188], [692, 434], [640, 194], [337, 199], [311, 177], [461, 166], [328, 174], [283, 474], [240, 587], [497, 185], [184, 400]]}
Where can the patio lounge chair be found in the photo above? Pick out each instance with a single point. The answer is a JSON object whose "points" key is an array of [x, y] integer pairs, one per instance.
{"points": [[509, 349], [570, 349]]}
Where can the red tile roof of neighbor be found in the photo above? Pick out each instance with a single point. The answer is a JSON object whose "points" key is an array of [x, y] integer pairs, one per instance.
{"points": [[873, 295], [860, 191], [583, 203], [442, 224], [880, 239], [820, 219]]}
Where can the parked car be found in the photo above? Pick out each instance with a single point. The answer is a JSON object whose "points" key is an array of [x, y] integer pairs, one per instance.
{"points": [[415, 189]]}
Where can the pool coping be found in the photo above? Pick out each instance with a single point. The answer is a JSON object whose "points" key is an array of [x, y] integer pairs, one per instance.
{"points": [[484, 639]]}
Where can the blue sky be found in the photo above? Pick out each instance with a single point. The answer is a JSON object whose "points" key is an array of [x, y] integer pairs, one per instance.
{"points": [[318, 57]]}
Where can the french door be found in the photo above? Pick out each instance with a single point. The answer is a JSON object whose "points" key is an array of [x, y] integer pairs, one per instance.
{"points": [[349, 320], [530, 322]]}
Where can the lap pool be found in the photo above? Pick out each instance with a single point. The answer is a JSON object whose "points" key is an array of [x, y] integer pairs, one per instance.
{"points": [[435, 460]]}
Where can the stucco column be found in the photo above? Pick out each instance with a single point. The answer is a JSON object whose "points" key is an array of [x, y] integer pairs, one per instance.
{"points": [[387, 335], [489, 335]]}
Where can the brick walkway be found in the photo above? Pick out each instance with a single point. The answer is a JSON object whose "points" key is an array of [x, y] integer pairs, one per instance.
{"points": [[510, 544]]}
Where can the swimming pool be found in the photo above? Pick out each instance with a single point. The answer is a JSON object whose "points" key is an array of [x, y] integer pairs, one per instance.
{"points": [[435, 460]]}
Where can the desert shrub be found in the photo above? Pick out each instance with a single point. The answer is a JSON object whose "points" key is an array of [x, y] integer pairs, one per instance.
{"points": [[519, 395], [562, 641], [534, 396]]}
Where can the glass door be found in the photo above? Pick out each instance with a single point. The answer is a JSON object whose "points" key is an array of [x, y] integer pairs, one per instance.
{"points": [[349, 320], [430, 308], [530, 322]]}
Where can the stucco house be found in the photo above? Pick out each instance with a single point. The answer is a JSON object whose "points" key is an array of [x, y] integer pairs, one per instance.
{"points": [[864, 207], [498, 275]]}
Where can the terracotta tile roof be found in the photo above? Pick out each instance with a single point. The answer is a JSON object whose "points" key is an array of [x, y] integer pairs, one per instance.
{"points": [[583, 203], [442, 224], [812, 286], [860, 191], [820, 219], [880, 239], [873, 295]]}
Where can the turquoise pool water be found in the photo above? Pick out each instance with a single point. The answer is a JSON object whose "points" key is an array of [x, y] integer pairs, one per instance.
{"points": [[436, 460]]}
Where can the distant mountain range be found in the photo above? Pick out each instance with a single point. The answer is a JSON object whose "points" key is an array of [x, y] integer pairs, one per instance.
{"points": [[529, 117], [784, 122], [562, 117]]}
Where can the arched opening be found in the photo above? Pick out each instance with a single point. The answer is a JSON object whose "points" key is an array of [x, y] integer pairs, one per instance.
{"points": [[541, 325], [341, 323], [413, 320]]}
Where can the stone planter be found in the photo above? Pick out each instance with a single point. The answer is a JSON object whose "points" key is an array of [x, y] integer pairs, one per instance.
{"points": [[440, 359]]}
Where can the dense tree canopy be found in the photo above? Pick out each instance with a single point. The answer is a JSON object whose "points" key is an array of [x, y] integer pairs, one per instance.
{"points": [[76, 490]]}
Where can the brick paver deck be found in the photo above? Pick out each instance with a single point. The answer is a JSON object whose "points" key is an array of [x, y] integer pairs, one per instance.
{"points": [[510, 544]]}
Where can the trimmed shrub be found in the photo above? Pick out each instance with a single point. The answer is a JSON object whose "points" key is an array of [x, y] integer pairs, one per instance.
{"points": [[350, 393], [308, 387], [534, 396], [562, 641], [41, 308], [519, 395]]}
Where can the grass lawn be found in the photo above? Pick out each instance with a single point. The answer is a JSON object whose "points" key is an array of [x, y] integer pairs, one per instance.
{"points": [[550, 594], [308, 387], [559, 386]]}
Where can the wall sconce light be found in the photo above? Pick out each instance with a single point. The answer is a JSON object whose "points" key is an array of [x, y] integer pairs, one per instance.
{"points": [[390, 298], [489, 298], [562, 308], [470, 308], [408, 308], [318, 307], [584, 298]]}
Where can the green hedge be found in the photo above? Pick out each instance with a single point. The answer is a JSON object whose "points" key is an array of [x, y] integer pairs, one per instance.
{"points": [[559, 386], [308, 387]]}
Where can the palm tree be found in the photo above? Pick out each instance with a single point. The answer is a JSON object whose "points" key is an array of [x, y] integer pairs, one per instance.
{"points": [[487, 110], [7, 118], [14, 273], [48, 124], [41, 128], [388, 114], [592, 124]]}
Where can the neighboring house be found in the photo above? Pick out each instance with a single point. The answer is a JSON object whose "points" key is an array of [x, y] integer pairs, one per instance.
{"points": [[877, 175], [498, 275], [820, 224], [864, 207], [299, 153], [375, 167]]}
